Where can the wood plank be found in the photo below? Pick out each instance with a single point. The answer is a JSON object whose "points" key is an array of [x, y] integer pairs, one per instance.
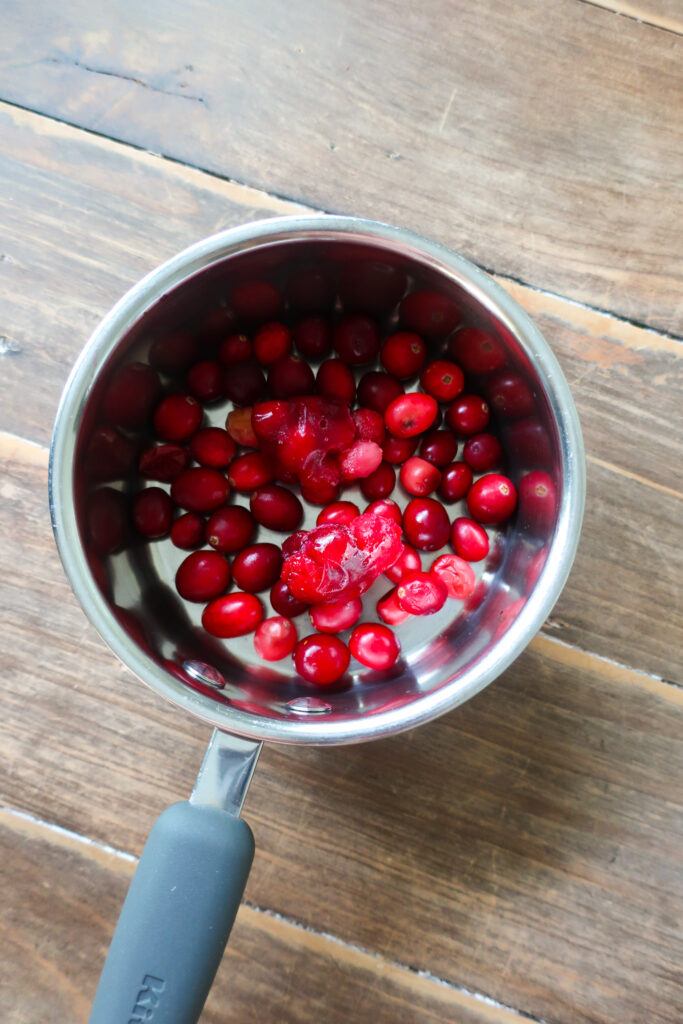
{"points": [[542, 140], [664, 14], [531, 838]]}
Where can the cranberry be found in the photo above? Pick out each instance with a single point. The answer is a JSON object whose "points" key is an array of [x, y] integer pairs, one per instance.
{"points": [[200, 489], [173, 353], [537, 501], [360, 460], [131, 395], [410, 414], [238, 424], [409, 561], [468, 414], [477, 351], [389, 610], [456, 481], [469, 539], [369, 425], [187, 531], [284, 602], [426, 524], [456, 574], [256, 300], [289, 376], [419, 477], [376, 390], [397, 449], [356, 340], [421, 593], [202, 576], [275, 638], [374, 646], [152, 512], [313, 337], [442, 380], [403, 354], [491, 499], [386, 508], [247, 472], [163, 462], [371, 286], [510, 396], [379, 484], [235, 349], [276, 508], [321, 658], [335, 379], [257, 567], [336, 616], [482, 452], [107, 520], [244, 382], [271, 342], [299, 434], [205, 381], [232, 615], [213, 446], [321, 480], [310, 290], [429, 313], [217, 323], [111, 455], [230, 528], [177, 417], [338, 512], [439, 447]]}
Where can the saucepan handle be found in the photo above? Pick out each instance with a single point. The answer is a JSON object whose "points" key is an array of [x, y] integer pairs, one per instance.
{"points": [[176, 918]]}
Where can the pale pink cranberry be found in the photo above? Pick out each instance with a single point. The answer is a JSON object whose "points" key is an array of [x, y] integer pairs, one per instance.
{"points": [[374, 646], [275, 638], [360, 460], [456, 574], [419, 477], [336, 616]]}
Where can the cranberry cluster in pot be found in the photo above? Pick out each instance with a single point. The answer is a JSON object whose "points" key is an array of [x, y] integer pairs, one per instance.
{"points": [[378, 414]]}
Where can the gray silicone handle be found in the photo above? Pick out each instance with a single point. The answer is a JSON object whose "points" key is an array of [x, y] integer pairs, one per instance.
{"points": [[176, 918]]}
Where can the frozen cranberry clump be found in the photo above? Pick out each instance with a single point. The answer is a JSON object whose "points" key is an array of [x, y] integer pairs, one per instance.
{"points": [[339, 561], [293, 431]]}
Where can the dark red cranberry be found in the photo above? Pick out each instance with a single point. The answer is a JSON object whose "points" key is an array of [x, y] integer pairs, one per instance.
{"points": [[374, 646], [456, 481], [510, 396], [477, 351], [187, 531], [442, 380], [313, 337], [284, 602], [232, 615], [177, 417], [235, 349], [389, 610], [426, 524], [468, 414], [272, 342], [421, 593], [537, 501], [200, 489], [491, 499], [482, 452], [397, 449], [275, 638], [321, 658], [356, 340], [335, 378], [369, 425], [336, 616], [469, 539], [409, 561], [218, 323], [247, 472], [163, 462], [456, 574], [205, 381], [244, 382], [370, 286], [257, 567], [152, 512], [439, 447], [238, 424], [430, 314], [419, 477], [230, 528], [107, 518], [310, 290], [131, 396], [403, 354], [173, 353], [377, 390], [202, 576], [256, 300], [379, 484], [360, 460], [338, 512], [411, 414], [111, 455], [276, 508], [213, 446], [289, 376], [387, 508]]}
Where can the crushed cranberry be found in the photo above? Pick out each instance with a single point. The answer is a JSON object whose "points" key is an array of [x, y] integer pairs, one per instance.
{"points": [[421, 593], [163, 462], [456, 574]]}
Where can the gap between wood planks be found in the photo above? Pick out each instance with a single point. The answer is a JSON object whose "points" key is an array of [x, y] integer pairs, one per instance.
{"points": [[639, 12]]}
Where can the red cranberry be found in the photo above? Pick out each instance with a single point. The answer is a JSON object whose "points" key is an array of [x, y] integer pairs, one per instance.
{"points": [[456, 481], [468, 414], [374, 646], [403, 354], [338, 512], [271, 342], [107, 519], [376, 390], [429, 313], [111, 455], [313, 337], [205, 381], [177, 417], [491, 499], [244, 382], [439, 447], [482, 452], [356, 340], [469, 539], [238, 424], [230, 528], [379, 484], [442, 380], [321, 658], [232, 615], [310, 290], [426, 524], [537, 501], [202, 576], [510, 396], [152, 512], [370, 286], [256, 300], [409, 561], [235, 349], [163, 462], [247, 472], [389, 610], [336, 616], [369, 425], [323, 489], [456, 574], [397, 449], [284, 602], [200, 489], [335, 379], [173, 353], [410, 414], [419, 477], [360, 460], [421, 593], [131, 395], [213, 446], [289, 376], [217, 323], [257, 567], [187, 531], [276, 508], [477, 351], [275, 638], [386, 508]]}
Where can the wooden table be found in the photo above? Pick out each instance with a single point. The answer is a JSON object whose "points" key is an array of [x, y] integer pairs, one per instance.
{"points": [[519, 859]]}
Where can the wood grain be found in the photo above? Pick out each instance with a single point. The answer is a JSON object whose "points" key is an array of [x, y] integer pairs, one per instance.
{"points": [[664, 14], [531, 839], [540, 139]]}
